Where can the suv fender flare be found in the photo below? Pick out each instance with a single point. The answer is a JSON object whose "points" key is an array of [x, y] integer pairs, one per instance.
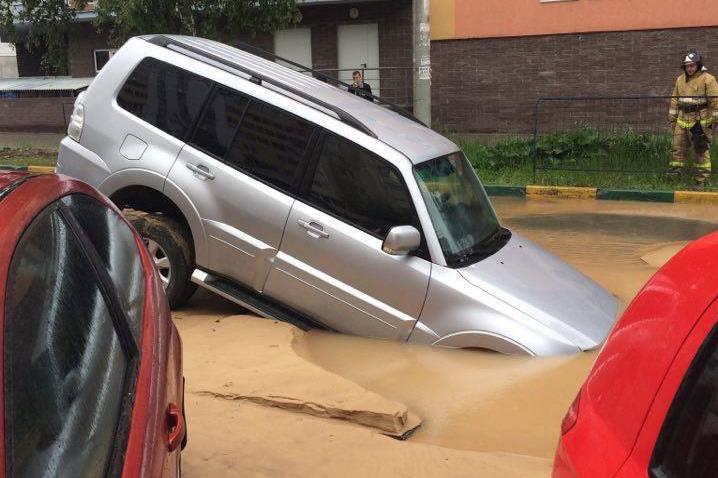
{"points": [[156, 182], [175, 194], [483, 340]]}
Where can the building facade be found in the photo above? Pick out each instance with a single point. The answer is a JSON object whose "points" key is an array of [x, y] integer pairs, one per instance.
{"points": [[8, 62], [491, 59]]}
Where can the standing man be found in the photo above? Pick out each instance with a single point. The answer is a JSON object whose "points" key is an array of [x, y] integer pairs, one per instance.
{"points": [[693, 115], [360, 88]]}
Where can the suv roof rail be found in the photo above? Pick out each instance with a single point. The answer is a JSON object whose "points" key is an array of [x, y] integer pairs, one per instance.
{"points": [[326, 78], [257, 77]]}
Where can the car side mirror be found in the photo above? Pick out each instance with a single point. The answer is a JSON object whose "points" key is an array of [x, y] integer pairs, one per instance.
{"points": [[401, 240]]}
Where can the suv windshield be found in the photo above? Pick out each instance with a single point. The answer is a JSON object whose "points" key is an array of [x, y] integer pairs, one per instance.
{"points": [[462, 215]]}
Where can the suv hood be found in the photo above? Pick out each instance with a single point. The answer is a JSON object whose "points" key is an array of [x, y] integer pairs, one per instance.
{"points": [[549, 290]]}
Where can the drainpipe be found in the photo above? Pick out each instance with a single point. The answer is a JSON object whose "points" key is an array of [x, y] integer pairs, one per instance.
{"points": [[422, 61]]}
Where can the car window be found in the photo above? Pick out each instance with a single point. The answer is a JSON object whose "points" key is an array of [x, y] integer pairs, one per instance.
{"points": [[69, 359], [117, 248], [270, 145], [218, 125], [360, 188], [164, 95], [688, 442]]}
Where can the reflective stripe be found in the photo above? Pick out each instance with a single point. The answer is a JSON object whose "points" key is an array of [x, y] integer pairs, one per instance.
{"points": [[673, 112], [693, 101], [676, 164], [706, 165], [689, 124]]}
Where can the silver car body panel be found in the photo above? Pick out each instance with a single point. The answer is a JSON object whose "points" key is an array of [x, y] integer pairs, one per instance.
{"points": [[268, 241], [547, 289], [339, 275], [243, 218]]}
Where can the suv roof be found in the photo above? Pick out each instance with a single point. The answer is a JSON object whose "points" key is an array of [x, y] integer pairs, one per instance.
{"points": [[415, 141]]}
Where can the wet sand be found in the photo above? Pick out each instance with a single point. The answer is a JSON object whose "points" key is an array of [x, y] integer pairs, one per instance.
{"points": [[483, 414]]}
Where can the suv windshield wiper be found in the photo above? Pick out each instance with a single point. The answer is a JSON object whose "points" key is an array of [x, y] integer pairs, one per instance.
{"points": [[485, 248]]}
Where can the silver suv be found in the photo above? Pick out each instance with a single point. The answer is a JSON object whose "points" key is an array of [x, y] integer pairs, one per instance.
{"points": [[303, 202]]}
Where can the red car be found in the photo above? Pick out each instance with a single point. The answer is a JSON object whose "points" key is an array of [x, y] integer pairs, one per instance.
{"points": [[649, 407], [91, 362]]}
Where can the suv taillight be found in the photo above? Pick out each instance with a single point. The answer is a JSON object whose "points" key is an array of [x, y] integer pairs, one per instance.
{"points": [[571, 416], [77, 120]]}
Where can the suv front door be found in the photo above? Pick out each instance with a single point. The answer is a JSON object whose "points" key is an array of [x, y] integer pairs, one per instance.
{"points": [[331, 265]]}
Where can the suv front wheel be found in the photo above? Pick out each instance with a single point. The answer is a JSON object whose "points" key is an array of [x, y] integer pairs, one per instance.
{"points": [[170, 250]]}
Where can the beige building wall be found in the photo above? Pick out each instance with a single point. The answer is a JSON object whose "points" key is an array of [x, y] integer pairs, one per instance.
{"points": [[8, 61]]}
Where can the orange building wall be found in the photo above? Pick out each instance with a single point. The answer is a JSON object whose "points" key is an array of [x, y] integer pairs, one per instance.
{"points": [[509, 18]]}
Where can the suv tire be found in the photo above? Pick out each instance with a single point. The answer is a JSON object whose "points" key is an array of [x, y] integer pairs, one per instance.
{"points": [[166, 239]]}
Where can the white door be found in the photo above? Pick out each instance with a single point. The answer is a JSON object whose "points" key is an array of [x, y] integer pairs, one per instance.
{"points": [[294, 44], [358, 48]]}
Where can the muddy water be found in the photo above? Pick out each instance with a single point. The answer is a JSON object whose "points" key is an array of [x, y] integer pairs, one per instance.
{"points": [[481, 401]]}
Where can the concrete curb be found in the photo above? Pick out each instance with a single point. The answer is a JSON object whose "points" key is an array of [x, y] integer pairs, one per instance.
{"points": [[29, 169], [696, 197], [545, 192], [561, 192], [41, 169], [632, 195]]}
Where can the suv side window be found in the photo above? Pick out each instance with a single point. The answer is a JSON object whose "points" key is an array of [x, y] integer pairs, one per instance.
{"points": [[360, 188], [164, 95], [270, 145], [218, 125], [69, 357], [688, 442]]}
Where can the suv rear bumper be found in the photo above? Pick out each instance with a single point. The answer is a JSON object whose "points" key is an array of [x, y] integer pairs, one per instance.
{"points": [[77, 161]]}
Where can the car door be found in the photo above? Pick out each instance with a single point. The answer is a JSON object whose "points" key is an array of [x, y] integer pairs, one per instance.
{"points": [[71, 325], [679, 437], [331, 265], [238, 169]]}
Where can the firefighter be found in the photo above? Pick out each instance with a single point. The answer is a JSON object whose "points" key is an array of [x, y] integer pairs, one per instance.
{"points": [[693, 114]]}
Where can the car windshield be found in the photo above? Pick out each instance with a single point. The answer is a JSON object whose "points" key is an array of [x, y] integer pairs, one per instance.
{"points": [[462, 215]]}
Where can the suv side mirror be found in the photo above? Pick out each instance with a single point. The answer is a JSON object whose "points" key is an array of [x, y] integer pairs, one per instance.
{"points": [[401, 240]]}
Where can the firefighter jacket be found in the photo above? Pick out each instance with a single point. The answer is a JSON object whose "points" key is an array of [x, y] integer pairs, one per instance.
{"points": [[694, 99]]}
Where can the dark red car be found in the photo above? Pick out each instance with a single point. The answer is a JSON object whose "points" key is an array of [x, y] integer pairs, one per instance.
{"points": [[91, 362], [649, 407]]}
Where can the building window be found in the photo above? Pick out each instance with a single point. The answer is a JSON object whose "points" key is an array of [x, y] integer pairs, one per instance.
{"points": [[102, 57]]}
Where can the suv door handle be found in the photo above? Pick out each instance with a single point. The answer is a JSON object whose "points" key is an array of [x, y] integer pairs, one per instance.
{"points": [[200, 171], [314, 229]]}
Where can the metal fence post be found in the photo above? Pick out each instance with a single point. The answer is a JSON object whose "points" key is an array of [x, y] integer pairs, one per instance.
{"points": [[534, 147]]}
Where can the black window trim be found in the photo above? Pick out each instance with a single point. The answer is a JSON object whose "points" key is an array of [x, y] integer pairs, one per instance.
{"points": [[120, 323], [706, 350], [308, 179], [296, 182]]}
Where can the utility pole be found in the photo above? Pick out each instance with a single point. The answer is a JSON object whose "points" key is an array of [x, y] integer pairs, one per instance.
{"points": [[422, 61]]}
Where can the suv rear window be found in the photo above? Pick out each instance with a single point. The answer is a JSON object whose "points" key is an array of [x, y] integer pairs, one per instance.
{"points": [[164, 95], [688, 443], [69, 356]]}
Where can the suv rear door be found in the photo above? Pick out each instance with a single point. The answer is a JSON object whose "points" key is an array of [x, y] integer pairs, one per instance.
{"points": [[239, 168], [331, 265]]}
